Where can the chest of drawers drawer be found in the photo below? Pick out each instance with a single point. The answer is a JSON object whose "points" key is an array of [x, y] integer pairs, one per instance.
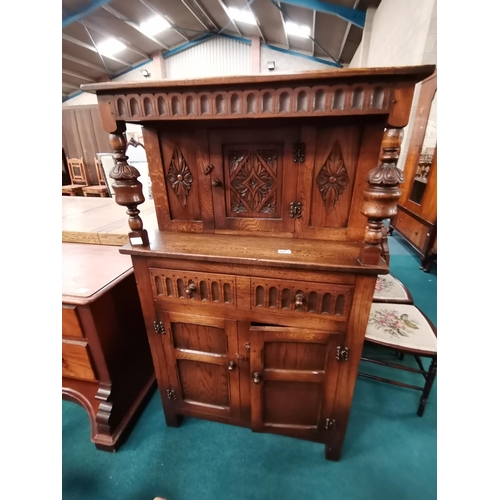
{"points": [[71, 326], [76, 360], [301, 297], [199, 288]]}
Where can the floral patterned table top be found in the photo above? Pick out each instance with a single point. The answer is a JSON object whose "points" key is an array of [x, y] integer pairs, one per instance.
{"points": [[387, 287], [401, 325]]}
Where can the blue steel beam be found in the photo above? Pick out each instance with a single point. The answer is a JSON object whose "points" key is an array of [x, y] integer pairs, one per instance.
{"points": [[235, 38], [354, 16], [76, 16], [186, 45], [305, 56]]}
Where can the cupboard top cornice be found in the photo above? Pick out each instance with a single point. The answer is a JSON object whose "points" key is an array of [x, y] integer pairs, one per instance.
{"points": [[345, 92], [411, 74]]}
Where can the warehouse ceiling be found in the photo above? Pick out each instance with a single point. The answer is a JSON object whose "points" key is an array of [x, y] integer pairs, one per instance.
{"points": [[102, 39]]}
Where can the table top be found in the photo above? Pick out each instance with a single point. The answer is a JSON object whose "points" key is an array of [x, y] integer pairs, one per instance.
{"points": [[100, 221], [89, 270]]}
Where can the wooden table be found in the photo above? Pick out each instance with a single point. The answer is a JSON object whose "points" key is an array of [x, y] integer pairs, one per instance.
{"points": [[99, 221], [106, 361]]}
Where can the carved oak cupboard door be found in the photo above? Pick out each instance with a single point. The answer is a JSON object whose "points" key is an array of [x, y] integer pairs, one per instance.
{"points": [[203, 373], [327, 179], [254, 178], [294, 377], [173, 158]]}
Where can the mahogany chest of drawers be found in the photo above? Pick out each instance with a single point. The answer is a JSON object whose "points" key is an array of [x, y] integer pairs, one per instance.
{"points": [[270, 194], [106, 362]]}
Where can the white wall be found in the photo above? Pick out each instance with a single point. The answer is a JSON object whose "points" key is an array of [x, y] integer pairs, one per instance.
{"points": [[287, 63], [397, 34], [400, 33], [215, 57]]}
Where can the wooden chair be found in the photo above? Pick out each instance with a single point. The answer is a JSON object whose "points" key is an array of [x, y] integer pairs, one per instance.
{"points": [[78, 176], [405, 329], [101, 189]]}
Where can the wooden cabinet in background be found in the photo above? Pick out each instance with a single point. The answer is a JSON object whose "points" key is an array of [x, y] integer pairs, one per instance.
{"points": [[416, 219], [257, 287]]}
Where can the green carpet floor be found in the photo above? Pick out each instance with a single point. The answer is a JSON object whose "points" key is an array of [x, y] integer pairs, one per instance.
{"points": [[389, 453]]}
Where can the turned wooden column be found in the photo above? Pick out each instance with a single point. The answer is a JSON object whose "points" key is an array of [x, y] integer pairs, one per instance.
{"points": [[127, 187], [382, 195]]}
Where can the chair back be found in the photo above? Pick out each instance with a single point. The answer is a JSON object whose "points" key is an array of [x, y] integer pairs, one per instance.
{"points": [[77, 172], [100, 173]]}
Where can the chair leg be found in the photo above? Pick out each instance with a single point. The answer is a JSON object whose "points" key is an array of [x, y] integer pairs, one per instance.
{"points": [[431, 375]]}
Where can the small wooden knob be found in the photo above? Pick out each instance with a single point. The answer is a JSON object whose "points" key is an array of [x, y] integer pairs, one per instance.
{"points": [[299, 299]]}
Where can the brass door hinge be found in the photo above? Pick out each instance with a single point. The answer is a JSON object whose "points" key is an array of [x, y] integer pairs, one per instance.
{"points": [[171, 394], [299, 152], [342, 354], [159, 327], [296, 210], [329, 424]]}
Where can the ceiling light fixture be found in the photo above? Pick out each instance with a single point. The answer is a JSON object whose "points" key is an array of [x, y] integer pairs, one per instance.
{"points": [[295, 29], [271, 65], [145, 73], [154, 26], [242, 16], [110, 46]]}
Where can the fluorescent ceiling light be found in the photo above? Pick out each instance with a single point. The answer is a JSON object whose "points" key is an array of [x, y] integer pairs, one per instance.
{"points": [[295, 29], [154, 25], [110, 46], [243, 16]]}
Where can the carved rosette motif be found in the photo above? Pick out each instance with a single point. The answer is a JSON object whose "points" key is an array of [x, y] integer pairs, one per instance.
{"points": [[180, 177], [253, 181], [332, 178]]}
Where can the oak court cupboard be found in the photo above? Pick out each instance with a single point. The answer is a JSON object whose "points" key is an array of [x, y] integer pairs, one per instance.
{"points": [[270, 195]]}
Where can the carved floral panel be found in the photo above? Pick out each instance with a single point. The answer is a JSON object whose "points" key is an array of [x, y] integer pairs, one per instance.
{"points": [[332, 178], [179, 176], [252, 177]]}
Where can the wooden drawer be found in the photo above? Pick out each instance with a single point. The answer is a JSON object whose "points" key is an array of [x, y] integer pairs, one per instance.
{"points": [[302, 297], [201, 288], [71, 326], [414, 230], [76, 360]]}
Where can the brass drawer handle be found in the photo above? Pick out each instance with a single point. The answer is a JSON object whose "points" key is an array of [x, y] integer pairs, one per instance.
{"points": [[190, 289], [232, 366], [256, 378]]}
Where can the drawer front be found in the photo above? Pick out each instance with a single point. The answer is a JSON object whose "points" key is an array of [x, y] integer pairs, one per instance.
{"points": [[302, 297], [71, 323], [414, 230], [201, 288], [76, 361]]}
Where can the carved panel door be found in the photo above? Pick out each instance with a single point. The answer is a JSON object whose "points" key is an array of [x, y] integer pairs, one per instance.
{"points": [[294, 378], [202, 373], [327, 179], [254, 178]]}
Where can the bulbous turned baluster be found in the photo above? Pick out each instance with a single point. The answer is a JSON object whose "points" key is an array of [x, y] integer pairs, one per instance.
{"points": [[381, 196], [127, 188]]}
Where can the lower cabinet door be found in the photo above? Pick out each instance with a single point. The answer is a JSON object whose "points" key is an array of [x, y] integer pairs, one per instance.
{"points": [[202, 373], [294, 374]]}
